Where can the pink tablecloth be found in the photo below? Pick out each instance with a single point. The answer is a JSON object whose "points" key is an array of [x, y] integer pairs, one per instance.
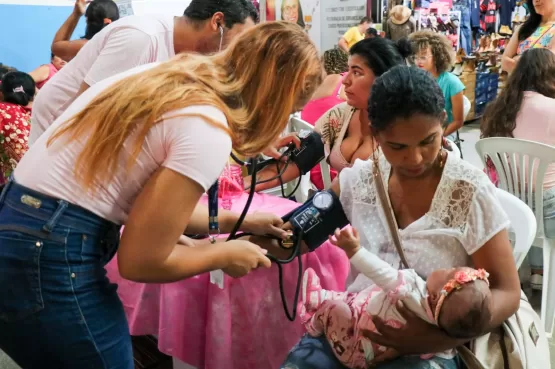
{"points": [[242, 326]]}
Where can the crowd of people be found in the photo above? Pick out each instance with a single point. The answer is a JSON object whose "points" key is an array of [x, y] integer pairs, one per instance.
{"points": [[110, 147]]}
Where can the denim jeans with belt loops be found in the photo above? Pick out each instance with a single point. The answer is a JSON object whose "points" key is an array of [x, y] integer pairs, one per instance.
{"points": [[58, 309]]}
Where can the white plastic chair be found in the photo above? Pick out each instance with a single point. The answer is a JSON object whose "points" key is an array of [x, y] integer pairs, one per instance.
{"points": [[466, 107], [301, 194], [518, 163], [523, 224]]}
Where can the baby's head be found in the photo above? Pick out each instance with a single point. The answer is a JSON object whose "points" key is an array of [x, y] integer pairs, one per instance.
{"points": [[461, 301]]}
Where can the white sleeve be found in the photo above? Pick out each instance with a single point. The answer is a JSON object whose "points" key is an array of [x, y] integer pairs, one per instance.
{"points": [[486, 218], [195, 148], [374, 268], [125, 49]]}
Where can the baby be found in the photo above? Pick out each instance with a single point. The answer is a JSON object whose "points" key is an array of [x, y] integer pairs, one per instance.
{"points": [[458, 300]]}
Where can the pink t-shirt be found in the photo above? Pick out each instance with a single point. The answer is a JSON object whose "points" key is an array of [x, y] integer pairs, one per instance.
{"points": [[51, 72], [125, 44], [188, 145], [536, 122]]}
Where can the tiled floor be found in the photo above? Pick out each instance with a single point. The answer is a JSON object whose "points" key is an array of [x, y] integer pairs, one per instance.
{"points": [[470, 134]]}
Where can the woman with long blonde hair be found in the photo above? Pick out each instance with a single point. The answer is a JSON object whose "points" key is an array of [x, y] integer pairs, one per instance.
{"points": [[138, 149]]}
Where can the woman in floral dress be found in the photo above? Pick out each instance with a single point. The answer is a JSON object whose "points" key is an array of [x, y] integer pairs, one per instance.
{"points": [[18, 90]]}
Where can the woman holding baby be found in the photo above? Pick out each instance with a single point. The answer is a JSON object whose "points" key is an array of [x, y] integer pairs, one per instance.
{"points": [[449, 218]]}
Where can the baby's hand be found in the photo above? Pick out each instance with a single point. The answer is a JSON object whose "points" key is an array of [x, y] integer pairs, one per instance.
{"points": [[347, 239]]}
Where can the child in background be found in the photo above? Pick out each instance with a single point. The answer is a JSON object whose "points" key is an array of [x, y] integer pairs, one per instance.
{"points": [[458, 300]]}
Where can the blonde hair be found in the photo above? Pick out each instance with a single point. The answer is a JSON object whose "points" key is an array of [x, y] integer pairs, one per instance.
{"points": [[266, 74]]}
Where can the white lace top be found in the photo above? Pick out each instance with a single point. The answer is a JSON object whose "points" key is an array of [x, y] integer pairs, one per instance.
{"points": [[463, 216]]}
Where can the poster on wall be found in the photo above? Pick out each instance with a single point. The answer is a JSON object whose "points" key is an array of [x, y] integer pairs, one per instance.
{"points": [[442, 20], [306, 13], [337, 17], [125, 7]]}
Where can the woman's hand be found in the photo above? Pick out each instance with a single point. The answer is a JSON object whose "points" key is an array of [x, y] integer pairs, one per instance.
{"points": [[80, 7], [273, 152], [244, 256], [416, 337], [262, 224]]}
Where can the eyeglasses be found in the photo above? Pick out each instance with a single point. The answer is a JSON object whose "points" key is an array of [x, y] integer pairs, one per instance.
{"points": [[422, 57]]}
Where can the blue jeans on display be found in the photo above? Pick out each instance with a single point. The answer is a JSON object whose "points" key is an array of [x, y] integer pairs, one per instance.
{"points": [[316, 353], [466, 31], [58, 309], [535, 256]]}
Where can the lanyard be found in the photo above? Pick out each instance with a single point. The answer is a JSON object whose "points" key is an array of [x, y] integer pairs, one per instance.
{"points": [[213, 226]]}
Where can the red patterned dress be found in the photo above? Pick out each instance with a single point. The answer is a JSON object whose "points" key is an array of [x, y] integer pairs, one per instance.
{"points": [[14, 136]]}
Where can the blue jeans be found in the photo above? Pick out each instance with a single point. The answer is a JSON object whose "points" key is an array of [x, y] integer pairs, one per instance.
{"points": [[466, 31], [535, 256], [316, 353], [58, 309]]}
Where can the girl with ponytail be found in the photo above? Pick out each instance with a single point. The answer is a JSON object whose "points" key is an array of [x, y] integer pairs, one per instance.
{"points": [[18, 90]]}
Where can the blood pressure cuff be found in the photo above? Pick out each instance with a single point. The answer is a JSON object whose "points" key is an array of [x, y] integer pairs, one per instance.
{"points": [[317, 224], [310, 152]]}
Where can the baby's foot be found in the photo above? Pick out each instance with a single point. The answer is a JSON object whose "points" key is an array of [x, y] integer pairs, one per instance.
{"points": [[313, 295]]}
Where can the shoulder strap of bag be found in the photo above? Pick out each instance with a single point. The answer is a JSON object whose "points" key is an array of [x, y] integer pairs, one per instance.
{"points": [[388, 210]]}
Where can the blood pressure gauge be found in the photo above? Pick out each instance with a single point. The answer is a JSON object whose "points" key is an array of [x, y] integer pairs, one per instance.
{"points": [[323, 201]]}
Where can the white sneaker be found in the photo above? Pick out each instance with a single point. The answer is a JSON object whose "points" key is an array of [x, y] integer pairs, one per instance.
{"points": [[536, 282]]}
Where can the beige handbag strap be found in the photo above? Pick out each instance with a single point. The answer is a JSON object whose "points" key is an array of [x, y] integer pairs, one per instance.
{"points": [[388, 210], [469, 359]]}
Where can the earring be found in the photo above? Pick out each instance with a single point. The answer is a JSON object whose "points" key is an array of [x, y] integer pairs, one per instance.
{"points": [[440, 158], [221, 37]]}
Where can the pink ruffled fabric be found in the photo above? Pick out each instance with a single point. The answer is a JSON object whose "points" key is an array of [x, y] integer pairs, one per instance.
{"points": [[240, 326]]}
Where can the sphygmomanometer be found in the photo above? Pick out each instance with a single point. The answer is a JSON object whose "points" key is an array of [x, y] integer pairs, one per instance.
{"points": [[311, 223]]}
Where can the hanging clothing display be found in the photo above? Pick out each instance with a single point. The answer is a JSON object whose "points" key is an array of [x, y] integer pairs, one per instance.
{"points": [[506, 8], [465, 24], [489, 8], [475, 13]]}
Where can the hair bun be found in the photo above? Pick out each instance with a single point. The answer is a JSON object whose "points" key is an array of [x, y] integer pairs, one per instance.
{"points": [[404, 46]]}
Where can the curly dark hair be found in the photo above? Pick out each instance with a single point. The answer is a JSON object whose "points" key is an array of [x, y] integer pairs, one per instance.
{"points": [[402, 92], [335, 61], [535, 71], [440, 46]]}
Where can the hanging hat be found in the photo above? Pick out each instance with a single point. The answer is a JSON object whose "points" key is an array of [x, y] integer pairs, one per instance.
{"points": [[399, 14]]}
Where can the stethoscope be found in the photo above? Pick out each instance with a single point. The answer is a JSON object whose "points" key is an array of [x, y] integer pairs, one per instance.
{"points": [[292, 243]]}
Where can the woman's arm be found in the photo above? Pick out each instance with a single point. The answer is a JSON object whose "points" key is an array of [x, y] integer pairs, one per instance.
{"points": [[61, 45], [457, 104], [270, 173], [149, 249], [257, 223], [343, 45], [508, 61], [496, 256], [40, 74]]}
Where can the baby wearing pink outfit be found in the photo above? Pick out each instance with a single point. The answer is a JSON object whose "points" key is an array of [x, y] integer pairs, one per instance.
{"points": [[458, 300]]}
